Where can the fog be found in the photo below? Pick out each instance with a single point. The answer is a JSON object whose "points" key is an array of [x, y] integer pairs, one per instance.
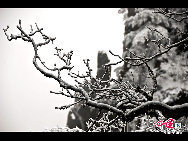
{"points": [[26, 103]]}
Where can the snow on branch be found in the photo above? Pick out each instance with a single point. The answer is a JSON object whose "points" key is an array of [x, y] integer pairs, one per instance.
{"points": [[130, 101]]}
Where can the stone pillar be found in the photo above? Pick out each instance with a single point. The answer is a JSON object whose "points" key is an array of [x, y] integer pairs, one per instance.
{"points": [[79, 115]]}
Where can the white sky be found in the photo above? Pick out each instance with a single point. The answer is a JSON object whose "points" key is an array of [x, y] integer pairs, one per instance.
{"points": [[25, 100]]}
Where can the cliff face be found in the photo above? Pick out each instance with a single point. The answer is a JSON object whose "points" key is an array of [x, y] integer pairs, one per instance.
{"points": [[171, 68]]}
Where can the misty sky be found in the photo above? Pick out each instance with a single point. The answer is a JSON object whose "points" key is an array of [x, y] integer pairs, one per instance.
{"points": [[25, 100]]}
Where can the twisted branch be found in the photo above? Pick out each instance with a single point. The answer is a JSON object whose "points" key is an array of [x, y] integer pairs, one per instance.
{"points": [[129, 104]]}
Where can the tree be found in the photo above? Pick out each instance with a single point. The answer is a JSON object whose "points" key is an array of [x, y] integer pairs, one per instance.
{"points": [[118, 101]]}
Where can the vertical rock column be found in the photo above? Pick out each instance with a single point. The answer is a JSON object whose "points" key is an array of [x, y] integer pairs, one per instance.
{"points": [[78, 115]]}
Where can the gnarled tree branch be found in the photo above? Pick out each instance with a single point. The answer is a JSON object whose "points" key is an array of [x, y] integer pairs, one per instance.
{"points": [[130, 101]]}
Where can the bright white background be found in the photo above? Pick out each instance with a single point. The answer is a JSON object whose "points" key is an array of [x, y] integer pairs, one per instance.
{"points": [[25, 101]]}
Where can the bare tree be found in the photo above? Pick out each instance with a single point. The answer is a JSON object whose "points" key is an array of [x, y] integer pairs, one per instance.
{"points": [[125, 101]]}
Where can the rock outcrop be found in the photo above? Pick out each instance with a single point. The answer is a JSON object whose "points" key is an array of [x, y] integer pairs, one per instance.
{"points": [[171, 68], [79, 115]]}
